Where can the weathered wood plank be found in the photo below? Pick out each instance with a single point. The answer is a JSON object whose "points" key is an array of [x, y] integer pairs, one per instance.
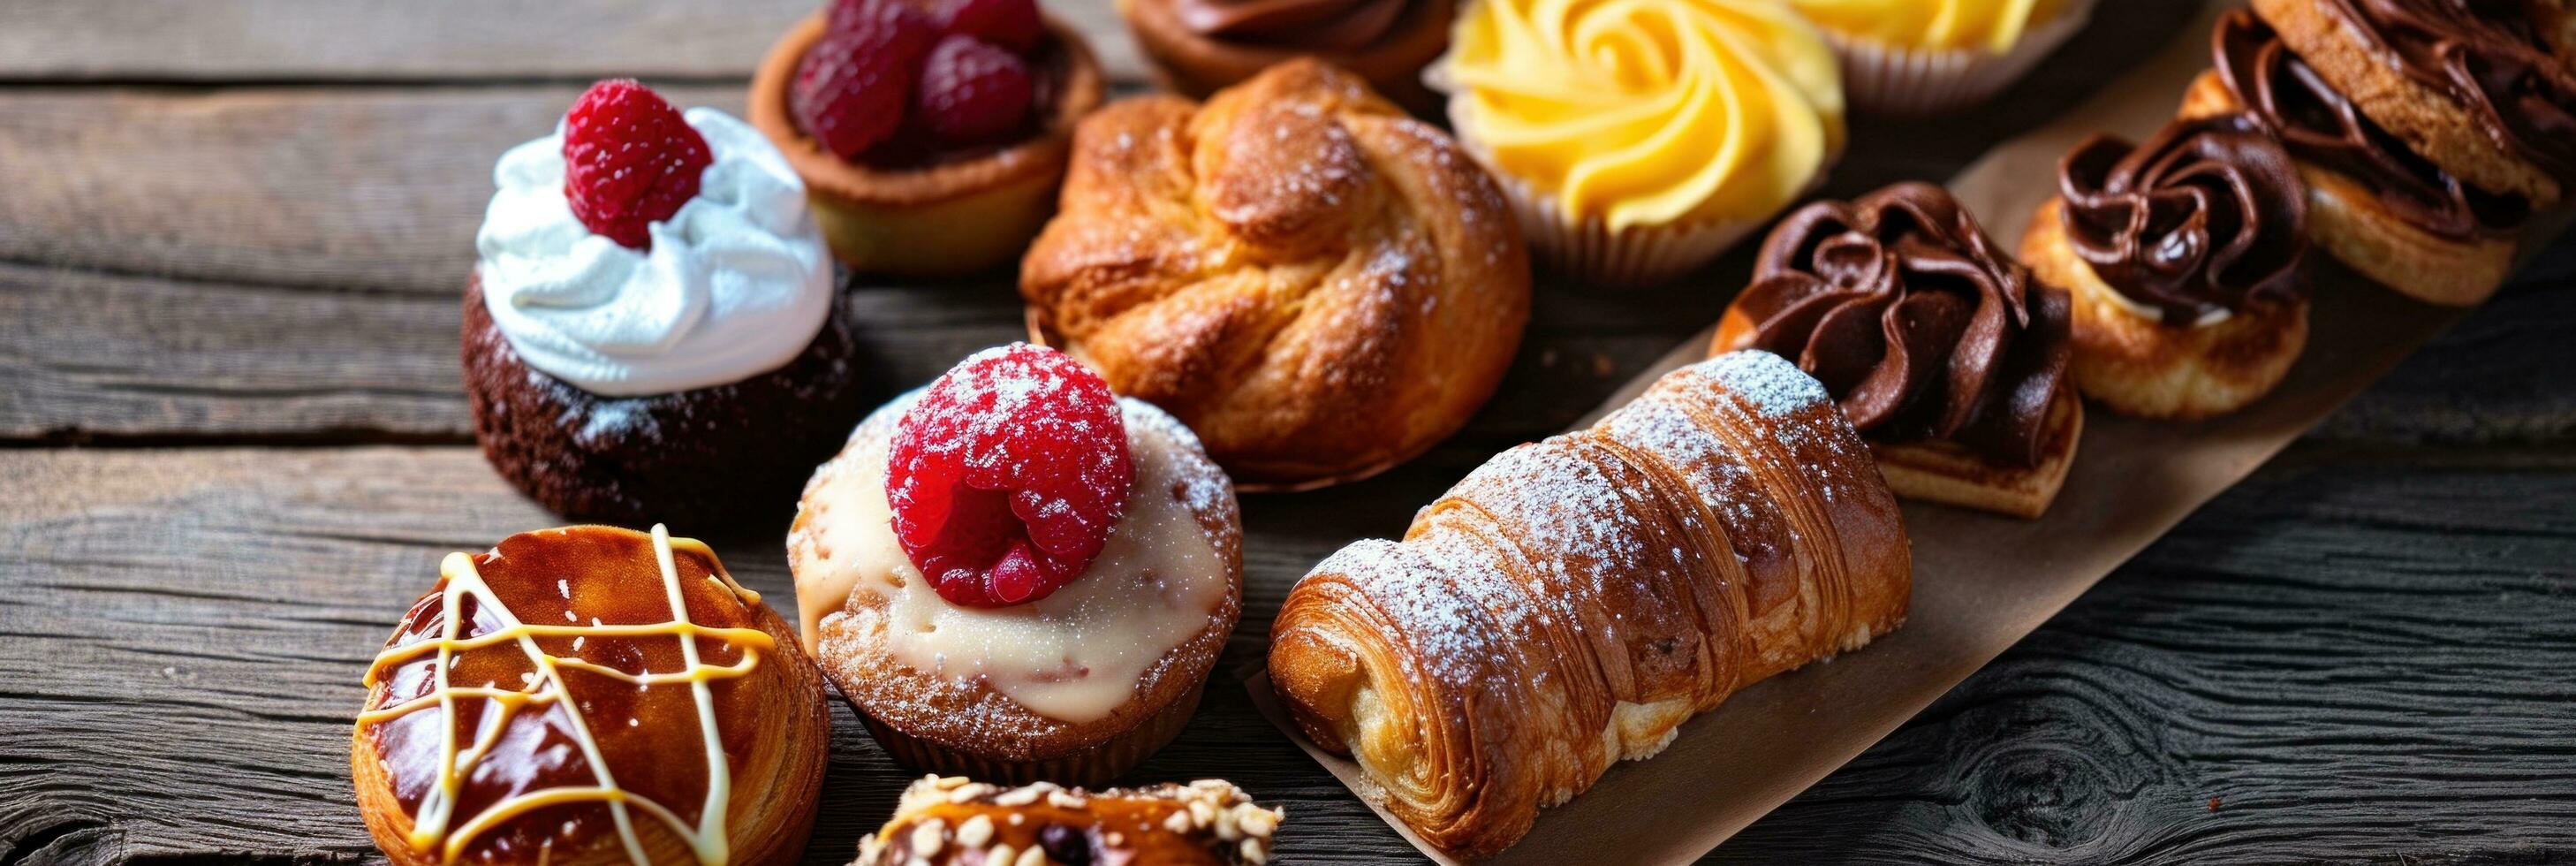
{"points": [[391, 40], [2334, 662], [2375, 647]]}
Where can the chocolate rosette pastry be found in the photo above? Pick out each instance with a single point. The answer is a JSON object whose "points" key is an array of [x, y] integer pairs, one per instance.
{"points": [[1199, 47], [1927, 335], [2205, 219], [2373, 202], [2482, 88], [2185, 257]]}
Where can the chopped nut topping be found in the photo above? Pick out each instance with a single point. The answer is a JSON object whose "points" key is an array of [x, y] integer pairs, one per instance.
{"points": [[928, 837], [975, 832], [948, 783], [1254, 852], [1032, 857], [1178, 822], [970, 791], [1062, 800], [1017, 797], [1258, 822], [1001, 855]]}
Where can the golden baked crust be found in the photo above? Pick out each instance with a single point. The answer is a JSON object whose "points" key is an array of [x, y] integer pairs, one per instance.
{"points": [[950, 723], [2439, 129], [1317, 284], [947, 219], [2347, 218], [1196, 65], [1573, 601], [534, 781], [952, 820], [2138, 366], [1950, 474]]}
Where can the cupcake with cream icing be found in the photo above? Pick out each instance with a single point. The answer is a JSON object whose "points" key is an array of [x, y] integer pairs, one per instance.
{"points": [[1926, 56], [1638, 139], [652, 332]]}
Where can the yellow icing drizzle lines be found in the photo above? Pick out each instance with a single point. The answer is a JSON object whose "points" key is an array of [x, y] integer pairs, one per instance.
{"points": [[431, 827]]}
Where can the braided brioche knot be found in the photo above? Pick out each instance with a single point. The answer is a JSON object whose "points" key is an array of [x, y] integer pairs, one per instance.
{"points": [[1318, 284]]}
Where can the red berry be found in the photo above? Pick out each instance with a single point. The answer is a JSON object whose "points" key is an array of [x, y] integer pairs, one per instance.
{"points": [[1007, 475], [629, 160], [852, 87], [1012, 24], [972, 91]]}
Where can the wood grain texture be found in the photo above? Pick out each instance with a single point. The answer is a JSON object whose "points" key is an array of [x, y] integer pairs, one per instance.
{"points": [[2339, 660], [394, 40]]}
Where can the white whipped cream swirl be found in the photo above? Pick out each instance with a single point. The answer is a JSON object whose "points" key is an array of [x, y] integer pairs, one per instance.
{"points": [[736, 284]]}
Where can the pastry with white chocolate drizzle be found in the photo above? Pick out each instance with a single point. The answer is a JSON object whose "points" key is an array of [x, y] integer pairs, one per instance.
{"points": [[590, 694], [952, 820], [1015, 575]]}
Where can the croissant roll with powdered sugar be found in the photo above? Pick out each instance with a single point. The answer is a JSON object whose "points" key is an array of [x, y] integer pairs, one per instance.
{"points": [[1573, 601]]}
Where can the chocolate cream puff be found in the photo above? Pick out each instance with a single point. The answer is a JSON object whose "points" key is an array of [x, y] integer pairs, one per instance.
{"points": [[653, 332], [2373, 202], [2185, 257], [1945, 353]]}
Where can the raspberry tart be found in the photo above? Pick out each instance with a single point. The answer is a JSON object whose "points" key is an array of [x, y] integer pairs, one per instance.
{"points": [[651, 332], [1015, 575], [932, 134]]}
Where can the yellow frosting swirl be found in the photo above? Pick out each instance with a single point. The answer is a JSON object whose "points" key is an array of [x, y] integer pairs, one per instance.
{"points": [[1648, 112], [1993, 25]]}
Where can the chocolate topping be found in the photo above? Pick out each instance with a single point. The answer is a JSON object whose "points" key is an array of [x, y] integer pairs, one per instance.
{"points": [[2323, 128], [1317, 25], [2208, 215], [1921, 329], [2492, 57]]}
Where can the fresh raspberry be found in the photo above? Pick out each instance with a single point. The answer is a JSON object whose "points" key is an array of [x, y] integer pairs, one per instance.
{"points": [[1012, 24], [852, 87], [629, 160], [972, 91], [1007, 475]]}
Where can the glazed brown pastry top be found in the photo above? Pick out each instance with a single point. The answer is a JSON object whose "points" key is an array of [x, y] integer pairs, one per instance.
{"points": [[1920, 327], [554, 667], [1316, 25], [2207, 217], [2321, 126], [951, 820], [2491, 57]]}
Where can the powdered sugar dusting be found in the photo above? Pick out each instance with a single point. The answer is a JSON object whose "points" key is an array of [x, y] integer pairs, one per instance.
{"points": [[1771, 384]]}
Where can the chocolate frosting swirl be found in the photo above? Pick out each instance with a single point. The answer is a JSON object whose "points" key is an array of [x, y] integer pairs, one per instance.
{"points": [[2491, 57], [2208, 216], [1921, 329], [1317, 25], [2323, 128]]}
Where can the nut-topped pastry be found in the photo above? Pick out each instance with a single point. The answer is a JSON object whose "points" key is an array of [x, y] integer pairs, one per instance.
{"points": [[590, 695], [1319, 285], [653, 299], [952, 820], [1202, 46], [2373, 202], [1946, 354], [932, 133], [1638, 139], [1015, 574], [2485, 90], [2184, 255]]}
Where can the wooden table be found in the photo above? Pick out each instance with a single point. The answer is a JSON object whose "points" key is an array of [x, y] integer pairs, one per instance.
{"points": [[232, 238]]}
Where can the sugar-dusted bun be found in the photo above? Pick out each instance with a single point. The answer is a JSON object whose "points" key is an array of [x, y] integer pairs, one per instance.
{"points": [[954, 821], [1318, 284], [611, 697]]}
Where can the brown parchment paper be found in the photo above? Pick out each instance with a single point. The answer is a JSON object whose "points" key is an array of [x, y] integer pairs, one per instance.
{"points": [[1981, 582]]}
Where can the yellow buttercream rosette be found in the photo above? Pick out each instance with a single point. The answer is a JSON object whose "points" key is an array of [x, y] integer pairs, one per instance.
{"points": [[1994, 26], [1643, 136]]}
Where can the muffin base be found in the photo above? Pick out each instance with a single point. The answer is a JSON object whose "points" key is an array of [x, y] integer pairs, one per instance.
{"points": [[1896, 80], [721, 456], [1089, 767]]}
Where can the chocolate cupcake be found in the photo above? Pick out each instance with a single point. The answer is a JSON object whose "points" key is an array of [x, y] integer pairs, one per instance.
{"points": [[652, 333]]}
